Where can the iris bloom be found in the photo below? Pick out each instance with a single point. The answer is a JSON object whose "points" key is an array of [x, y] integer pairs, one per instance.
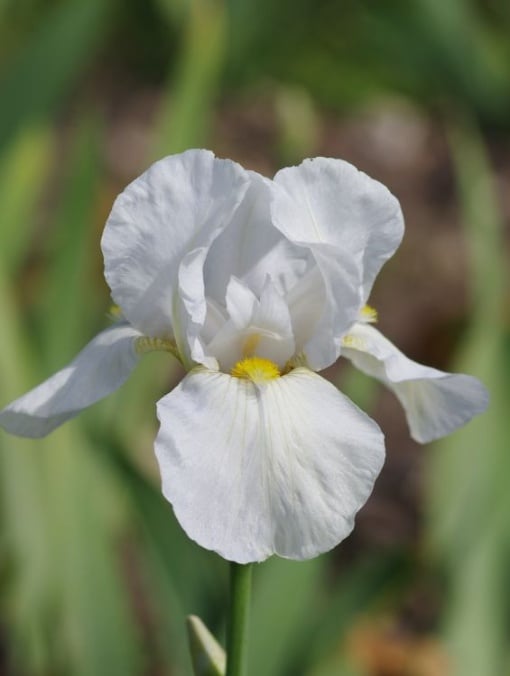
{"points": [[255, 285]]}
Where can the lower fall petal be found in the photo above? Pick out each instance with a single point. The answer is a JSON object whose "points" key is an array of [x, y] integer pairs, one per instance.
{"points": [[99, 369], [253, 470], [436, 403]]}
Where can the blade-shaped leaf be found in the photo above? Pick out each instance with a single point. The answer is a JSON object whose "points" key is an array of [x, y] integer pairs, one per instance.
{"points": [[207, 656], [56, 53]]}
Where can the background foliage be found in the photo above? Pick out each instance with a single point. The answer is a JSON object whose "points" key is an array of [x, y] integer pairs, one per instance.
{"points": [[95, 574]]}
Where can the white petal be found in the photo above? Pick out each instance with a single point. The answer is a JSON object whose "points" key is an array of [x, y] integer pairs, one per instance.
{"points": [[280, 468], [328, 201], [251, 248], [272, 322], [306, 303], [99, 369], [190, 307], [272, 314], [340, 306], [351, 224], [436, 403], [228, 269], [241, 303], [158, 218], [216, 317], [262, 327]]}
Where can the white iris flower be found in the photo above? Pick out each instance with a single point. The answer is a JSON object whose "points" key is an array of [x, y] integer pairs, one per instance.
{"points": [[254, 285]]}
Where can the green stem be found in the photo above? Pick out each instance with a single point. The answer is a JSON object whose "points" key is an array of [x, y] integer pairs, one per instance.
{"points": [[237, 641]]}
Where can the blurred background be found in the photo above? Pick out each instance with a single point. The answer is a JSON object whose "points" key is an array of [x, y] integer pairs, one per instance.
{"points": [[95, 573]]}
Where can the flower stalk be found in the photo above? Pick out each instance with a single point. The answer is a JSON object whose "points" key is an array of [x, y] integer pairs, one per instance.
{"points": [[237, 624]]}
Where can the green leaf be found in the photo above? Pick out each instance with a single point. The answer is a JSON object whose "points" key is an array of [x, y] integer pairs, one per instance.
{"points": [[66, 305], [181, 576], [469, 494], [207, 656], [354, 593], [23, 172], [96, 628], [298, 122], [284, 598], [27, 601], [185, 114], [44, 71]]}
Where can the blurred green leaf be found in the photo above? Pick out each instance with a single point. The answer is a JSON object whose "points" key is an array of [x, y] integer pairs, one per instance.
{"points": [[469, 492], [338, 665], [95, 620], [350, 53], [355, 592], [26, 599], [183, 577], [186, 110], [47, 67], [298, 122], [284, 598], [23, 172], [68, 302], [207, 655]]}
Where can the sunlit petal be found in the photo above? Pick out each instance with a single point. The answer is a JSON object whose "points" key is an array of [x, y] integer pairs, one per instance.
{"points": [[241, 303], [180, 203], [436, 403], [276, 468], [256, 326], [251, 248], [99, 369], [351, 224], [328, 201]]}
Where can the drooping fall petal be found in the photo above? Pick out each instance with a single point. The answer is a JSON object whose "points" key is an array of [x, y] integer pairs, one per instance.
{"points": [[253, 470], [99, 369], [436, 403]]}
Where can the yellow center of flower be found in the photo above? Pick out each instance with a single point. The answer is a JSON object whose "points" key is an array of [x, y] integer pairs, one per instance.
{"points": [[146, 344], [256, 369], [115, 312], [368, 314]]}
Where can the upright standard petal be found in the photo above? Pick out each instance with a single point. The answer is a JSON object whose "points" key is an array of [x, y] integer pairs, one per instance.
{"points": [[436, 403], [160, 217], [251, 248], [253, 470], [352, 225], [328, 201], [99, 369]]}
